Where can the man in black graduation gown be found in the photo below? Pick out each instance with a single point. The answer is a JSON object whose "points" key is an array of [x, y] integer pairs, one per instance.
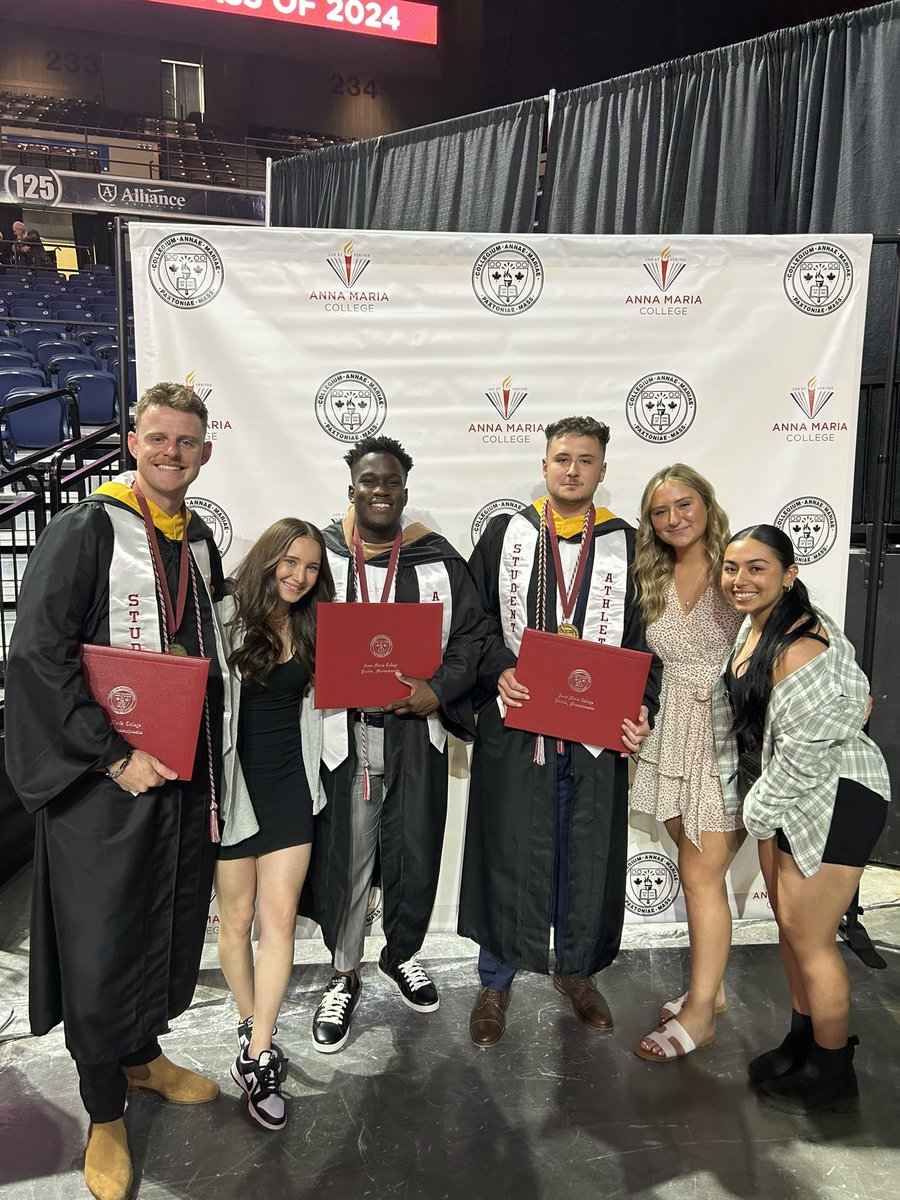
{"points": [[124, 854], [546, 835], [386, 770]]}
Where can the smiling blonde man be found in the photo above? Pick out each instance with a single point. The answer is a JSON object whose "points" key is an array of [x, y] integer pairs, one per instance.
{"points": [[124, 851]]}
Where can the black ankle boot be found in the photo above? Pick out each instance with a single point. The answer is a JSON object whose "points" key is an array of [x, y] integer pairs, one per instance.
{"points": [[826, 1080], [789, 1056]]}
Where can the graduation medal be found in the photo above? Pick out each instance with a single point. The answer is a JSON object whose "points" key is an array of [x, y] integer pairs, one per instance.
{"points": [[177, 649], [568, 597]]}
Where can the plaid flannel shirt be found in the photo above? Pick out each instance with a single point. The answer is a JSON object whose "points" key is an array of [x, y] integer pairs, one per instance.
{"points": [[812, 737]]}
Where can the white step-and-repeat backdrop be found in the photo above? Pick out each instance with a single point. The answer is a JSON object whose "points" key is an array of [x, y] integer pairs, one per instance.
{"points": [[738, 355]]}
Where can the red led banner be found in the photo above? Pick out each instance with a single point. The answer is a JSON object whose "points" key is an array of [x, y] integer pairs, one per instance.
{"points": [[405, 21]]}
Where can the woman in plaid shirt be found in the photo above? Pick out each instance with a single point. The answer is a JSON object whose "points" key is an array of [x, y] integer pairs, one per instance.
{"points": [[788, 713]]}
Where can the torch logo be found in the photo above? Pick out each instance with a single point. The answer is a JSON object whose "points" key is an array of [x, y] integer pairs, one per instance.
{"points": [[348, 266]]}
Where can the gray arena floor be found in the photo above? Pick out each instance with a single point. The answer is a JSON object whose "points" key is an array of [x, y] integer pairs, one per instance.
{"points": [[410, 1108]]}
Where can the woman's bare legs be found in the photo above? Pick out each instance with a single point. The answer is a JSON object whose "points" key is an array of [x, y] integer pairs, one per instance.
{"points": [[273, 882], [709, 924]]}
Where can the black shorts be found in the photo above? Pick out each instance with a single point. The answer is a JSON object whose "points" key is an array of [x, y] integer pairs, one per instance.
{"points": [[856, 824]]}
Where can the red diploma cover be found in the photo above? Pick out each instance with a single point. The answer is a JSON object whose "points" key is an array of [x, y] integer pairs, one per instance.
{"points": [[154, 701], [360, 646], [580, 691]]}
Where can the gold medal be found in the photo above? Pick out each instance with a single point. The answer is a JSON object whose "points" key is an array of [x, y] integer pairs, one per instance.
{"points": [[567, 630], [177, 649]]}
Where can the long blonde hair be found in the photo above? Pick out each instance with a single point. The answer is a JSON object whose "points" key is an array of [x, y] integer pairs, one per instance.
{"points": [[654, 561]]}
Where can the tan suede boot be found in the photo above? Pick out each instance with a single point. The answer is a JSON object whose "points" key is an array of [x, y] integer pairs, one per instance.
{"points": [[107, 1161], [177, 1084]]}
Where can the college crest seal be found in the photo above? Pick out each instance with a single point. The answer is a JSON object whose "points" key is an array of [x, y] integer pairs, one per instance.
{"points": [[661, 407], [217, 519], [507, 278], [350, 405], [491, 509], [818, 279], [651, 883], [811, 524], [186, 270]]}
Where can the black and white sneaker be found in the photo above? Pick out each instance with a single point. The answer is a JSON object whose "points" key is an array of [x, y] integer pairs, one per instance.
{"points": [[261, 1080], [331, 1023], [416, 989], [245, 1036]]}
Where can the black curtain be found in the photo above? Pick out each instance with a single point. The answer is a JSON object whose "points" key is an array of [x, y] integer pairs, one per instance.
{"points": [[794, 132], [475, 173], [94, 240]]}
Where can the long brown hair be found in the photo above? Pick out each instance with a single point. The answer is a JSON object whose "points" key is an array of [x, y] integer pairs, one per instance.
{"points": [[256, 595], [654, 560]]}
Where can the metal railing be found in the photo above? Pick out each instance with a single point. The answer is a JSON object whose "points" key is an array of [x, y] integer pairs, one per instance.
{"points": [[199, 158]]}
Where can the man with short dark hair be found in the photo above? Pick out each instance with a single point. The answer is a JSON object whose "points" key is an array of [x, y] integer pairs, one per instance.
{"points": [[546, 836], [386, 769], [124, 851]]}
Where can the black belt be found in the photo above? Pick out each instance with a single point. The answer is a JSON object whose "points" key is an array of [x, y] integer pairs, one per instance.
{"points": [[375, 719]]}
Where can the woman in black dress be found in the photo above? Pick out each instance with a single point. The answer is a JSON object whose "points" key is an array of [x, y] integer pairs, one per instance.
{"points": [[271, 790]]}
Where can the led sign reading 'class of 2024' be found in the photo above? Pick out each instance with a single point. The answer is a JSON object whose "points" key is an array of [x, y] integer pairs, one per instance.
{"points": [[404, 20]]}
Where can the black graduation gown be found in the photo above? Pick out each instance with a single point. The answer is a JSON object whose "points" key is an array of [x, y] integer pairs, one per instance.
{"points": [[506, 893], [414, 812], [121, 883]]}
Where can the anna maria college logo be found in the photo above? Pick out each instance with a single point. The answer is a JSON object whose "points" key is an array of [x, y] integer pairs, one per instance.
{"points": [[381, 645], [217, 519], [350, 405], [348, 266], [580, 680], [186, 270], [492, 509], [661, 407], [122, 700], [507, 278], [506, 398], [818, 279], [811, 524], [665, 268], [651, 883]]}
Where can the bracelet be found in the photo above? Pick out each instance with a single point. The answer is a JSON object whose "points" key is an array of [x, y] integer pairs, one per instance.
{"points": [[122, 765]]}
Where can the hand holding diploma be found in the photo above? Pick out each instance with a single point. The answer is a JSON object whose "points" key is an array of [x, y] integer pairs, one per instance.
{"points": [[142, 772], [421, 702], [633, 733], [512, 693]]}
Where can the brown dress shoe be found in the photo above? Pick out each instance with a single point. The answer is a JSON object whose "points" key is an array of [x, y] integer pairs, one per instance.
{"points": [[588, 1003], [488, 1019], [175, 1084], [107, 1161]]}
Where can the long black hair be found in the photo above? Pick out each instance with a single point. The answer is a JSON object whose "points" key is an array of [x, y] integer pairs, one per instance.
{"points": [[792, 617]]}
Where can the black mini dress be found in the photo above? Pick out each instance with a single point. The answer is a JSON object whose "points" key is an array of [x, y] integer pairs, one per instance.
{"points": [[271, 757]]}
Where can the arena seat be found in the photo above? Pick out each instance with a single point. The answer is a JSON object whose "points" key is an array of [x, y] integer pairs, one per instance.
{"points": [[11, 381], [96, 397], [36, 427], [10, 360], [61, 367], [52, 347]]}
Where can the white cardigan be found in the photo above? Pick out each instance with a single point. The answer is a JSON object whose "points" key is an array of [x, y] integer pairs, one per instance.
{"points": [[235, 805]]}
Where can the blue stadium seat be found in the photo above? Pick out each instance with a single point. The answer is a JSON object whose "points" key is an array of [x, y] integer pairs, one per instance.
{"points": [[25, 377], [37, 427], [95, 395], [62, 366], [32, 335], [11, 359], [28, 310], [51, 347]]}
